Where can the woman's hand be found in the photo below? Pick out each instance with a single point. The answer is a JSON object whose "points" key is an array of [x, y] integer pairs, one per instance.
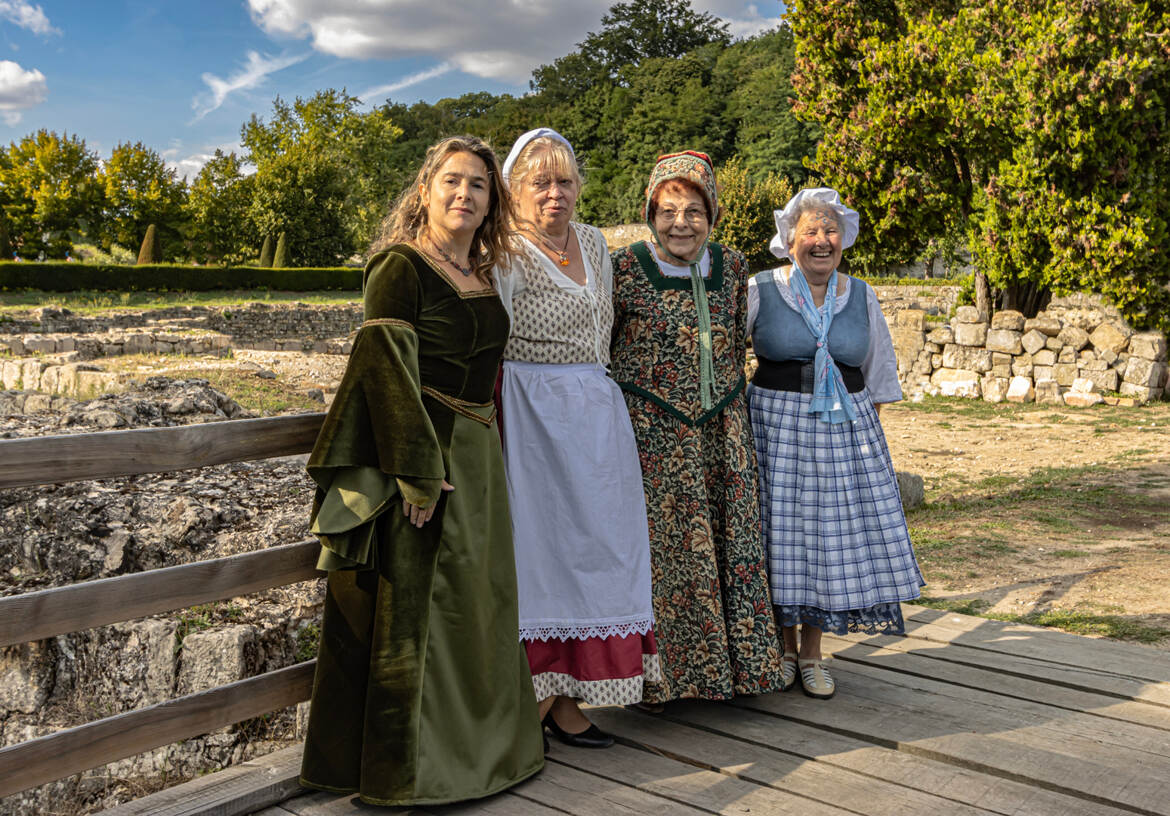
{"points": [[421, 515]]}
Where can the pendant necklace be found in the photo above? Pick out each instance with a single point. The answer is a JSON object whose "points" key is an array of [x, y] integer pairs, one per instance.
{"points": [[464, 270], [562, 254]]}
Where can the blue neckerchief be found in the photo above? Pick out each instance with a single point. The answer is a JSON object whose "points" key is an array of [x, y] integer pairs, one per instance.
{"points": [[830, 399]]}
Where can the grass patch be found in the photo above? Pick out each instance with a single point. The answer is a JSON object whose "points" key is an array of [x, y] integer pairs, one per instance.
{"points": [[1070, 553], [974, 606], [202, 617], [1087, 623], [266, 397]]}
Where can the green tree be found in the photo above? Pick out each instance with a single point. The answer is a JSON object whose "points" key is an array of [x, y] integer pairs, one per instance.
{"points": [[149, 252], [218, 208], [747, 223], [326, 140], [50, 191], [630, 33], [5, 241], [280, 260], [266, 253], [140, 190], [1034, 132]]}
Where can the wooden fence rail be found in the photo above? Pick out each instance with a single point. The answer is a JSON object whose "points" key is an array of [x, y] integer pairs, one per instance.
{"points": [[57, 611], [73, 750], [60, 610], [52, 459]]}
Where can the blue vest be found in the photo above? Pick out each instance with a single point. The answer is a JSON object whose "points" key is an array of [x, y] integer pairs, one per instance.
{"points": [[780, 334]]}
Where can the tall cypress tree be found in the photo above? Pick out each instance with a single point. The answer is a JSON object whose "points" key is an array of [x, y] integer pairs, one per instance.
{"points": [[281, 258], [149, 253], [266, 253]]}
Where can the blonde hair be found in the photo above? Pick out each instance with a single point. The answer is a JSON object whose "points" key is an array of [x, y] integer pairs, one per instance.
{"points": [[407, 220]]}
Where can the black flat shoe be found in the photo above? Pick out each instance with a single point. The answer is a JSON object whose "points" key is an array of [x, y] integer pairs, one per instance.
{"points": [[591, 737]]}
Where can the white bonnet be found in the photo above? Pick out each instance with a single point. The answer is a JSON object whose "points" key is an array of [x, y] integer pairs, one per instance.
{"points": [[825, 197], [522, 143]]}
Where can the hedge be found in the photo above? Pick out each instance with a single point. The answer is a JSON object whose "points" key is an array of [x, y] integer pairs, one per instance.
{"points": [[64, 276]]}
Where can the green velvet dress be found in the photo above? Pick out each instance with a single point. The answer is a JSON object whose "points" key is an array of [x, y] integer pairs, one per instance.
{"points": [[422, 693]]}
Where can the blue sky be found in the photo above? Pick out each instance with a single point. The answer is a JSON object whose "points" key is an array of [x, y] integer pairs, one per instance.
{"points": [[182, 77]]}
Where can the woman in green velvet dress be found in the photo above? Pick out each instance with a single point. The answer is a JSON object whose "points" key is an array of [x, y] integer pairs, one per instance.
{"points": [[422, 693]]}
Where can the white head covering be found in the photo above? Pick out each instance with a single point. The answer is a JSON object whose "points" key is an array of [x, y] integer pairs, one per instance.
{"points": [[825, 197], [522, 143]]}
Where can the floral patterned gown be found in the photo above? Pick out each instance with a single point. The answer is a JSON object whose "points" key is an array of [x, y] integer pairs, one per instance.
{"points": [[713, 616]]}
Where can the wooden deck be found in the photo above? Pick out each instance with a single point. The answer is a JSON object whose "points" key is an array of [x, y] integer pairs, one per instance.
{"points": [[962, 716]]}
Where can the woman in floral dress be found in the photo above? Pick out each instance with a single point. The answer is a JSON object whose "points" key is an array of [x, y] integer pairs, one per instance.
{"points": [[680, 305]]}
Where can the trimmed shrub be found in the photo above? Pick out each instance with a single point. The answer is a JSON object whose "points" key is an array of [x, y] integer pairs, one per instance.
{"points": [[266, 253], [67, 277], [280, 259], [149, 252]]}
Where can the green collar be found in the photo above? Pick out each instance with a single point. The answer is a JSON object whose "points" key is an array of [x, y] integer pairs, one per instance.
{"points": [[649, 264]]}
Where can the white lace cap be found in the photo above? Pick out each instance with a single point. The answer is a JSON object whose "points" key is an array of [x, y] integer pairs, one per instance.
{"points": [[825, 196], [522, 143]]}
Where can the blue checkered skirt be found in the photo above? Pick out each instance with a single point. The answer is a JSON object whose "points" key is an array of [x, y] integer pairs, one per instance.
{"points": [[839, 553]]}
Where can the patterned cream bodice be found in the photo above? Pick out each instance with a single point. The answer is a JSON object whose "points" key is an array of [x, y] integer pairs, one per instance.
{"points": [[562, 322]]}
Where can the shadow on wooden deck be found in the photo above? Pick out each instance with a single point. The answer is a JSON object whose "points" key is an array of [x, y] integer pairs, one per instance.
{"points": [[962, 716]]}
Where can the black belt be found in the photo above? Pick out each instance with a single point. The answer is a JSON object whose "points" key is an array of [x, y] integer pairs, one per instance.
{"points": [[797, 375]]}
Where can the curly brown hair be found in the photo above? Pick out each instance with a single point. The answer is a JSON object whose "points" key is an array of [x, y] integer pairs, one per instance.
{"points": [[407, 219]]}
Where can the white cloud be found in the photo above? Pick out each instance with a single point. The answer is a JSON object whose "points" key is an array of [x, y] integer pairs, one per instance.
{"points": [[497, 39], [249, 76], [26, 15], [373, 95], [188, 161], [19, 89]]}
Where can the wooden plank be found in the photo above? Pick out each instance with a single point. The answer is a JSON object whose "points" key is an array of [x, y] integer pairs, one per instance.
{"points": [[332, 804], [67, 752], [237, 790], [1144, 663], [562, 786], [56, 611], [55, 459], [1098, 760], [812, 744], [1089, 691], [686, 785], [770, 766]]}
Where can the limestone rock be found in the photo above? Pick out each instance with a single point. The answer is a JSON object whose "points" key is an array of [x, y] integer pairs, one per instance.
{"points": [[1146, 373], [1044, 357], [1007, 341], [913, 489], [967, 357], [1094, 364], [1107, 355], [1044, 323], [952, 382], [967, 315], [1148, 346], [970, 334], [911, 319], [1074, 337], [994, 388], [942, 335], [1078, 399], [1054, 343], [1042, 372], [908, 343], [1048, 393], [216, 658], [1106, 380], [1033, 341], [1140, 392], [1008, 319], [1083, 385], [1112, 336], [1022, 366], [1066, 355], [1004, 370], [26, 677], [1020, 390]]}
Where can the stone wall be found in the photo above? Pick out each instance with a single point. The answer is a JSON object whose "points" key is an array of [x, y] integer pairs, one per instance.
{"points": [[1068, 355]]}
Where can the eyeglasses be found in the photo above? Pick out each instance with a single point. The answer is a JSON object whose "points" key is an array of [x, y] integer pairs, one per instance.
{"points": [[692, 215]]}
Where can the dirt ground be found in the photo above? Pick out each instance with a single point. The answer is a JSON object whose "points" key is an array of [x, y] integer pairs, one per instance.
{"points": [[1052, 515]]}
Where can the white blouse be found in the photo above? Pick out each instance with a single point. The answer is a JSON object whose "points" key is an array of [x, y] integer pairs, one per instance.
{"points": [[880, 367]]}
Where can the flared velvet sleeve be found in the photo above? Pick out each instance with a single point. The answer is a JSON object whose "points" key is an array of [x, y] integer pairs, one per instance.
{"points": [[377, 440]]}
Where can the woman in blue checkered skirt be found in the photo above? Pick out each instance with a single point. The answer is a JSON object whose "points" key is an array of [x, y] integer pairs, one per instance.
{"points": [[839, 553]]}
